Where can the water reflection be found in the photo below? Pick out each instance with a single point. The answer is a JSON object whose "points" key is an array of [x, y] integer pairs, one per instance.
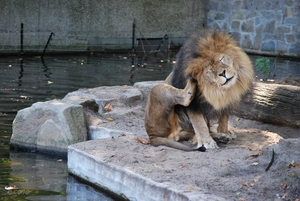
{"points": [[46, 69], [80, 191], [21, 71], [41, 177], [32, 79], [47, 73]]}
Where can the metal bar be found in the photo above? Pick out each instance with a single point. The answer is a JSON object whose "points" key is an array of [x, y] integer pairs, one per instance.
{"points": [[21, 47], [133, 37], [133, 44], [49, 39], [166, 37]]}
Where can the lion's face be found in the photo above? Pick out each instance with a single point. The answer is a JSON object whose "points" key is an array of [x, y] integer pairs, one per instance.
{"points": [[220, 71], [222, 78]]}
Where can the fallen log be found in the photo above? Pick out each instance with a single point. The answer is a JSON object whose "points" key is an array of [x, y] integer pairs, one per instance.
{"points": [[272, 103]]}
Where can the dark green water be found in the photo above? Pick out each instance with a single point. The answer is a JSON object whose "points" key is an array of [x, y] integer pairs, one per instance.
{"points": [[24, 82]]}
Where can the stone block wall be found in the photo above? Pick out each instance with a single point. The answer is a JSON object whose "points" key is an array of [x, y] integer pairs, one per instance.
{"points": [[263, 26]]}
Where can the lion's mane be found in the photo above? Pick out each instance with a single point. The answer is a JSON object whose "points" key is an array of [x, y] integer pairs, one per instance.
{"points": [[193, 59]]}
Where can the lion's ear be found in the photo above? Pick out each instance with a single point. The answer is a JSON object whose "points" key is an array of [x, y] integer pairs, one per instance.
{"points": [[195, 67], [194, 74], [191, 72]]}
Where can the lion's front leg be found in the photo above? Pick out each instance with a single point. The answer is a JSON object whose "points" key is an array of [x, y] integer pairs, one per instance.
{"points": [[201, 130], [223, 135], [223, 123]]}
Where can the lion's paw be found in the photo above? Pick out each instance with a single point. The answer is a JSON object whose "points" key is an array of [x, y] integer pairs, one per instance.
{"points": [[213, 128], [209, 145], [223, 138], [231, 135]]}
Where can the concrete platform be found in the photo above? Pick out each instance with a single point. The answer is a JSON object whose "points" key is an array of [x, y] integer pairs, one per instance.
{"points": [[120, 164]]}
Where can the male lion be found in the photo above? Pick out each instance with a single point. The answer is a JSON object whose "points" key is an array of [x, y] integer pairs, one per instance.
{"points": [[223, 73]]}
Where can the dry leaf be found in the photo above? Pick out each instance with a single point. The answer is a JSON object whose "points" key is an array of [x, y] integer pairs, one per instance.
{"points": [[146, 141], [253, 156], [293, 164], [110, 118], [250, 148], [223, 164], [283, 186], [108, 107], [255, 163], [244, 184], [285, 195], [10, 187], [191, 188]]}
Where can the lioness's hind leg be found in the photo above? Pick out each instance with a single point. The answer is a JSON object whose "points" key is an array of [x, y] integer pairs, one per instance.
{"points": [[179, 96], [187, 94]]}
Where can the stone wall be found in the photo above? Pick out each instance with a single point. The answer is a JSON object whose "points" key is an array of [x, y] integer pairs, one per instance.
{"points": [[268, 26]]}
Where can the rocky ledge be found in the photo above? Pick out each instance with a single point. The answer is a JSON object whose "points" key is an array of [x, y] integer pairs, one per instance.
{"points": [[86, 114], [102, 112]]}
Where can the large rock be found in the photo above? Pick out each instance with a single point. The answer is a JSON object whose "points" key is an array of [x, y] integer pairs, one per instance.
{"points": [[81, 115], [49, 127], [106, 123]]}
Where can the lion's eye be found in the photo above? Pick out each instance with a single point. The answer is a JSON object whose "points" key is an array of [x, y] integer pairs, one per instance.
{"points": [[222, 58]]}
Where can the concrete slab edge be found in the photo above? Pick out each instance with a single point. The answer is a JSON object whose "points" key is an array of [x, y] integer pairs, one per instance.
{"points": [[123, 182], [99, 132]]}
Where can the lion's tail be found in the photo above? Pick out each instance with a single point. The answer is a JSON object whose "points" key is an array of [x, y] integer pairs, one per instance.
{"points": [[174, 144]]}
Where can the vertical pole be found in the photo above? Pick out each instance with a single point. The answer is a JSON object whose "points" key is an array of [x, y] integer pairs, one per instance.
{"points": [[133, 36], [21, 49], [133, 44], [48, 41]]}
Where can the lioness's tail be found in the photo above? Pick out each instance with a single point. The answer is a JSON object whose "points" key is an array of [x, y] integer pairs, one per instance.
{"points": [[174, 144]]}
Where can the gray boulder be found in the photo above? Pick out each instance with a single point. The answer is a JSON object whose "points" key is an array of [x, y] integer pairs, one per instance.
{"points": [[81, 115], [49, 127]]}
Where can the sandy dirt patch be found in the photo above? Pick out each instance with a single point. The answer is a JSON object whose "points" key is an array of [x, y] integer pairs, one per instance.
{"points": [[235, 171]]}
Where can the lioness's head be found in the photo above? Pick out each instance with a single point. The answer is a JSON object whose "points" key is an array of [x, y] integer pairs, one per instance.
{"points": [[223, 70]]}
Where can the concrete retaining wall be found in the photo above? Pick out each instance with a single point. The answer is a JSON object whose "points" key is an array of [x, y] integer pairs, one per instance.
{"points": [[94, 25], [270, 26]]}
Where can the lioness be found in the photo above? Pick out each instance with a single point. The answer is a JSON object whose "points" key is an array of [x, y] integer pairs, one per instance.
{"points": [[223, 73], [161, 120]]}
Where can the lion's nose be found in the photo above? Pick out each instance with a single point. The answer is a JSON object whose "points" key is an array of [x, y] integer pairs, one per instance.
{"points": [[222, 74]]}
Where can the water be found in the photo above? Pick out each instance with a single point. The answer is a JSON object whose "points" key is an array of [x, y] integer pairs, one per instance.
{"points": [[24, 82]]}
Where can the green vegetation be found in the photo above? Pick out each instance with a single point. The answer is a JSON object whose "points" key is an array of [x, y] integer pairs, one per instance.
{"points": [[262, 65]]}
